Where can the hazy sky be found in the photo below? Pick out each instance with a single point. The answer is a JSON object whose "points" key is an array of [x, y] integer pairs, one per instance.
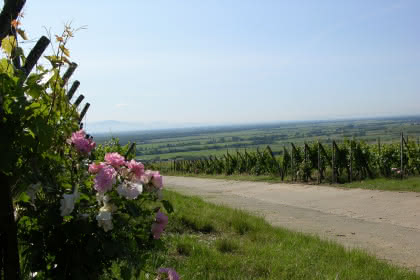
{"points": [[215, 61]]}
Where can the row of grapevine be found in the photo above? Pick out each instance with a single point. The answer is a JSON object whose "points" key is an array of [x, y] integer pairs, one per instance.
{"points": [[338, 162]]}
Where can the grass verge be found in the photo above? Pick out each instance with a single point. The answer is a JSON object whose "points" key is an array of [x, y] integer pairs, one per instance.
{"points": [[207, 241], [411, 184]]}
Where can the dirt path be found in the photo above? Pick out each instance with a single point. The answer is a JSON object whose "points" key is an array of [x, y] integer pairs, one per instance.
{"points": [[386, 224]]}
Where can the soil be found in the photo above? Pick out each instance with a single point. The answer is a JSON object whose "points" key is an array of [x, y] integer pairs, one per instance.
{"points": [[383, 223]]}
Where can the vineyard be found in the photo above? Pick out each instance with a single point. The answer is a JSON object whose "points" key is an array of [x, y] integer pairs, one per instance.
{"points": [[336, 163]]}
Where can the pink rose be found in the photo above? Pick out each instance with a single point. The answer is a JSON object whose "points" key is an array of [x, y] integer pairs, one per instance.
{"points": [[161, 218], [157, 180], [168, 273], [95, 168], [114, 159], [105, 178], [147, 176], [153, 177], [81, 143], [157, 230], [136, 167], [159, 225]]}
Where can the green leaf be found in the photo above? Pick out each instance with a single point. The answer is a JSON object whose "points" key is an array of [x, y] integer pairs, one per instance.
{"points": [[8, 44], [54, 60], [65, 51], [6, 67], [22, 33], [125, 272], [32, 88], [168, 206], [133, 209], [24, 197], [67, 219], [84, 197]]}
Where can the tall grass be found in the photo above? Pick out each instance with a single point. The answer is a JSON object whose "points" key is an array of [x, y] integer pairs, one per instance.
{"points": [[206, 241]]}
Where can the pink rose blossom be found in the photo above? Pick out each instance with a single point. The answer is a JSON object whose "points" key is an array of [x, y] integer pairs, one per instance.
{"points": [[153, 177], [147, 176], [159, 225], [82, 144], [157, 230], [161, 218], [136, 167], [114, 159], [168, 273], [157, 180], [105, 178], [95, 168]]}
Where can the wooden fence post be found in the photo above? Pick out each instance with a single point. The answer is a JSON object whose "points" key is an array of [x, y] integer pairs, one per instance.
{"points": [[83, 113], [319, 163], [68, 74], [333, 162], [305, 155], [379, 153], [10, 11], [351, 161], [73, 89], [79, 100], [284, 166], [401, 156], [292, 164], [33, 57]]}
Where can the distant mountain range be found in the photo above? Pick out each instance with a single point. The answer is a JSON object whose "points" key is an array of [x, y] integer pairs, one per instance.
{"points": [[111, 126]]}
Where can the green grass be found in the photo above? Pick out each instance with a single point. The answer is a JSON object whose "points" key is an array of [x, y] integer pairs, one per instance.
{"points": [[411, 184], [206, 241]]}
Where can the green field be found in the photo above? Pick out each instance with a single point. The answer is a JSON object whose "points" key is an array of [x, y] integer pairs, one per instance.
{"points": [[203, 142], [205, 241]]}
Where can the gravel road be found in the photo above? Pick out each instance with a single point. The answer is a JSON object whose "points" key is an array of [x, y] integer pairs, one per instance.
{"points": [[386, 224]]}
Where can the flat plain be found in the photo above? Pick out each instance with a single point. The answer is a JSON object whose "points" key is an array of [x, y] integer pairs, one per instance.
{"points": [[202, 142]]}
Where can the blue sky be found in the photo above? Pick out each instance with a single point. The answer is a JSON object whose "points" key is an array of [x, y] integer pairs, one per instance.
{"points": [[239, 61]]}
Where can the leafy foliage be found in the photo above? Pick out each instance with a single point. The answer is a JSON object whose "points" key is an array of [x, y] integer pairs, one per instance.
{"points": [[56, 205], [48, 240]]}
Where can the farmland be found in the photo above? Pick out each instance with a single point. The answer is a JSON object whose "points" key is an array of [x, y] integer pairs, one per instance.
{"points": [[188, 144]]}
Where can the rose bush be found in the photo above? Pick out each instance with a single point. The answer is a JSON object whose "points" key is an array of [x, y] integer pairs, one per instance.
{"points": [[80, 210], [101, 213]]}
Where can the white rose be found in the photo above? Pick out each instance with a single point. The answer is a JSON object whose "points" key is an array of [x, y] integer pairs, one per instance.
{"points": [[104, 219], [16, 212], [130, 190], [67, 203], [102, 198]]}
